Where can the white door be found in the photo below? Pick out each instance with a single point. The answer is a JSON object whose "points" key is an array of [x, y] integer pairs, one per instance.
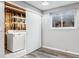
{"points": [[1, 29], [33, 40]]}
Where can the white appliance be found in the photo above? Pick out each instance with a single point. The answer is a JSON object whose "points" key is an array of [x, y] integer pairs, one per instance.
{"points": [[15, 41]]}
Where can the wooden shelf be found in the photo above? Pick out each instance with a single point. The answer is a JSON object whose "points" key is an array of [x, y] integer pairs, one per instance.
{"points": [[14, 17], [15, 8]]}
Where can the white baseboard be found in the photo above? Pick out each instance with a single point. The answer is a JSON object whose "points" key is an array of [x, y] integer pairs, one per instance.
{"points": [[75, 53]]}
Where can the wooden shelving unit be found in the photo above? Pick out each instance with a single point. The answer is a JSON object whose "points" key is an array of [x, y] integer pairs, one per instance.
{"points": [[14, 18]]}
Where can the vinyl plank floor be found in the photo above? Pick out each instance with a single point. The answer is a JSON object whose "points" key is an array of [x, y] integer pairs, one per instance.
{"points": [[38, 54]]}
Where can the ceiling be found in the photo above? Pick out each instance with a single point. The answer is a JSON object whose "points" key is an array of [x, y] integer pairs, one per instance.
{"points": [[52, 4]]}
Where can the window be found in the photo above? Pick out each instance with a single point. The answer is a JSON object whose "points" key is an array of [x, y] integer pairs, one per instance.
{"points": [[64, 19]]}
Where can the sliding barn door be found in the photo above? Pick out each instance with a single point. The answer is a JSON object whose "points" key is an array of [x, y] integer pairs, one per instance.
{"points": [[1, 29], [33, 40]]}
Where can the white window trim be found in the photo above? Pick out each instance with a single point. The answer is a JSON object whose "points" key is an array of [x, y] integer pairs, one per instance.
{"points": [[75, 22]]}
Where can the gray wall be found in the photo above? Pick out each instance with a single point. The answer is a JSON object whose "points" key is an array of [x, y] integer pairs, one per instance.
{"points": [[63, 39], [1, 29]]}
